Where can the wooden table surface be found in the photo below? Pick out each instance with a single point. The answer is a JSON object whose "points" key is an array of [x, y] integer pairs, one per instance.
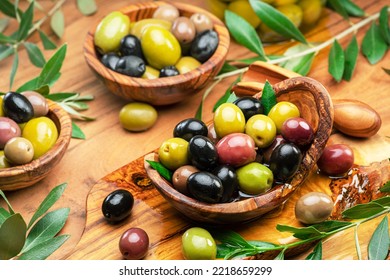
{"points": [[108, 146]]}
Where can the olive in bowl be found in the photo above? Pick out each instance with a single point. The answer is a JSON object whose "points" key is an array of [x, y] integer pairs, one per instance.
{"points": [[158, 91], [18, 176]]}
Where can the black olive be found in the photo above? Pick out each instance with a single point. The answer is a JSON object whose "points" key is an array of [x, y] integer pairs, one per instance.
{"points": [[285, 161], [205, 187], [204, 45], [202, 153], [117, 205], [110, 60], [169, 71], [17, 107], [229, 180], [131, 65], [130, 45], [249, 106], [188, 128]]}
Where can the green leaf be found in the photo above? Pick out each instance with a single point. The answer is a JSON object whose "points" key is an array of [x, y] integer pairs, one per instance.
{"points": [[385, 187], [47, 43], [384, 201], [336, 61], [3, 24], [5, 51], [317, 252], [25, 23], [378, 247], [301, 233], [77, 132], [45, 249], [280, 256], [34, 54], [32, 85], [362, 211], [74, 113], [8, 8], [161, 169], [224, 250], [48, 202], [50, 71], [77, 105], [351, 54], [330, 225], [227, 68], [352, 9], [57, 23], [10, 209], [229, 96], [15, 65], [268, 98], [300, 65], [338, 7], [46, 228], [374, 46], [244, 33], [12, 236], [262, 244], [277, 21], [6, 39], [384, 24], [4, 214], [87, 7], [231, 238]]}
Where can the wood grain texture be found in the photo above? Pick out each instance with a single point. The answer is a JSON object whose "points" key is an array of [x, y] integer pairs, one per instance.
{"points": [[108, 147]]}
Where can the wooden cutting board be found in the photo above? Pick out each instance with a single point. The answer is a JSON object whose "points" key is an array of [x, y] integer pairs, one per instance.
{"points": [[165, 225]]}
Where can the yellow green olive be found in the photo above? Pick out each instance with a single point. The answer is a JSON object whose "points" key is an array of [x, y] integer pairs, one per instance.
{"points": [[137, 116], [187, 64], [173, 153], [140, 26], [150, 73], [198, 244], [244, 9], [19, 151], [281, 112]]}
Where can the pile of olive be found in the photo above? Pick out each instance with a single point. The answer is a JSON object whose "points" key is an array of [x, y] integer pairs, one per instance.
{"points": [[242, 153], [26, 133], [165, 45]]}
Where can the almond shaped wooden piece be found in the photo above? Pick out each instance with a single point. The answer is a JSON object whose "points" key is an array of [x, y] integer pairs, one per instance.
{"points": [[22, 176], [316, 107], [161, 91]]}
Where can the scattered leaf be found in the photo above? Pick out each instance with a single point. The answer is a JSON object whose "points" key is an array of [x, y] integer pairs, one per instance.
{"points": [[50, 71], [387, 71], [277, 21], [301, 232], [374, 46], [378, 247], [280, 256], [362, 211], [229, 96], [226, 67], [34, 54], [317, 252], [3, 24], [244, 33], [4, 214], [384, 24], [8, 8], [57, 23], [384, 201], [77, 132], [14, 68], [351, 54], [74, 113], [338, 7], [5, 51], [300, 65], [6, 39], [25, 23], [47, 43], [336, 61], [12, 236], [161, 169], [87, 7], [268, 98], [10, 209], [45, 249], [352, 9]]}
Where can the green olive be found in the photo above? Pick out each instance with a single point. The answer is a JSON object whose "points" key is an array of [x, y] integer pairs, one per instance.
{"points": [[150, 73], [110, 31], [254, 178], [4, 163], [281, 112], [283, 2], [311, 11], [173, 153], [244, 9], [42, 133], [19, 150], [198, 244], [140, 26], [217, 7], [1, 107], [137, 116], [262, 129], [160, 47], [186, 64], [228, 118]]}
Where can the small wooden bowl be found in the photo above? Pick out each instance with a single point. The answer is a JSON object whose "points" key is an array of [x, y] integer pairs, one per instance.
{"points": [[161, 91], [316, 107], [22, 176]]}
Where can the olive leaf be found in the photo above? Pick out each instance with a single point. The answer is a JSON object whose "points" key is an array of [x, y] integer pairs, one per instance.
{"points": [[351, 54], [15, 65], [44, 249], [362, 211], [346, 8], [229, 96], [57, 23], [384, 24], [226, 67], [374, 46], [10, 209], [301, 233], [34, 54], [338, 7], [77, 132], [9, 9], [5, 51], [385, 187], [47, 43], [280, 256], [277, 21], [51, 69], [12, 236], [378, 247], [4, 214], [317, 252], [268, 98], [87, 7], [300, 65], [244, 33], [25, 23], [3, 24], [387, 71], [161, 169], [336, 61]]}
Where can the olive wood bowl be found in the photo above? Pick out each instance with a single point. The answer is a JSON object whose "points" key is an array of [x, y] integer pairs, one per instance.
{"points": [[315, 105], [161, 91], [22, 176]]}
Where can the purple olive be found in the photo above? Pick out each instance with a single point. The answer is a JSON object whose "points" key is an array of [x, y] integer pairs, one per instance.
{"points": [[336, 160], [134, 244]]}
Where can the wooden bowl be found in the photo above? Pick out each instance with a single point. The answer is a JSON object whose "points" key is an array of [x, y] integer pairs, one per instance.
{"points": [[316, 107], [161, 91], [22, 176]]}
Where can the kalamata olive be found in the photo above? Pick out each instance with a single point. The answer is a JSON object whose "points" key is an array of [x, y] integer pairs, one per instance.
{"points": [[229, 180], [202, 153], [190, 127], [180, 177], [130, 45], [336, 160], [39, 103], [201, 22], [268, 151], [117, 205], [130, 65], [8, 129], [204, 45], [134, 244], [110, 60], [285, 161], [19, 150], [17, 107], [169, 71], [205, 186], [313, 208], [236, 149], [298, 131], [249, 106], [183, 29]]}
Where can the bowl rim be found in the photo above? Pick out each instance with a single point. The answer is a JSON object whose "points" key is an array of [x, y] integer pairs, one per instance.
{"points": [[90, 54]]}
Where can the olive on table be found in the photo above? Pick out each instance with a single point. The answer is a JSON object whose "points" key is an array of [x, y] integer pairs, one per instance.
{"points": [[168, 71], [285, 161], [281, 112], [117, 205], [17, 107], [38, 102], [110, 60], [249, 105], [202, 153], [313, 208], [19, 150], [254, 178], [130, 65], [190, 127], [198, 244], [166, 12], [134, 244], [173, 153], [204, 45], [137, 116], [180, 177], [8, 129], [205, 186], [298, 131], [336, 160], [201, 22], [262, 129], [228, 118]]}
